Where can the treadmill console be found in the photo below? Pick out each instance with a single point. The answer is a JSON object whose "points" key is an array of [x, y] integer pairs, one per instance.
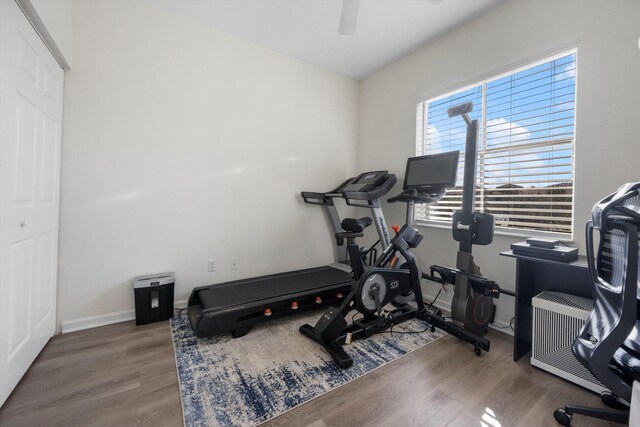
{"points": [[364, 182], [362, 190]]}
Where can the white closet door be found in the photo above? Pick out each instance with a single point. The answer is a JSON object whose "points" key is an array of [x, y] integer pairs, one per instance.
{"points": [[30, 131]]}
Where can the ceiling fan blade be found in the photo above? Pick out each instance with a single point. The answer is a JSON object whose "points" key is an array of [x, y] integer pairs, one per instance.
{"points": [[348, 17]]}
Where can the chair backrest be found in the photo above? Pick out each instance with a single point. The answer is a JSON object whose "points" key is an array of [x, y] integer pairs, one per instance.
{"points": [[614, 276]]}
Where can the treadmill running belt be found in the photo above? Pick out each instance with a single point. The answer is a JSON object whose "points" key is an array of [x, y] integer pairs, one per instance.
{"points": [[271, 286]]}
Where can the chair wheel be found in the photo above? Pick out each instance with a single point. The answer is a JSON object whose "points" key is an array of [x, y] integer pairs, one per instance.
{"points": [[611, 401], [432, 328], [562, 417], [477, 351]]}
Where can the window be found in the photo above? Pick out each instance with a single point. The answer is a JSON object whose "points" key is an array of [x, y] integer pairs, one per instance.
{"points": [[525, 159]]}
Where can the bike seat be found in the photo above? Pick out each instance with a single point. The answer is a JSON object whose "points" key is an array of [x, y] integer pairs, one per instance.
{"points": [[356, 225]]}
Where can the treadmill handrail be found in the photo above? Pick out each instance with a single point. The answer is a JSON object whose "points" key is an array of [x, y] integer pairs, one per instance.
{"points": [[313, 198], [323, 199], [412, 195]]}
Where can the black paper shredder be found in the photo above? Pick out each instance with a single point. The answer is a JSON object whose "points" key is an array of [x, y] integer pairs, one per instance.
{"points": [[154, 297]]}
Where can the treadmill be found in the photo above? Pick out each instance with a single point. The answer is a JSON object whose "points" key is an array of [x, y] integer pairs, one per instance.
{"points": [[238, 305]]}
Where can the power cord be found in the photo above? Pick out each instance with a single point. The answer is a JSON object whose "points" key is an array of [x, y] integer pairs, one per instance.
{"points": [[430, 305], [510, 325], [390, 331], [436, 298]]}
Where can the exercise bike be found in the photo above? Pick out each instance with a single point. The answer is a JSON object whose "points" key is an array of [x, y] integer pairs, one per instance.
{"points": [[395, 277], [376, 288], [426, 180]]}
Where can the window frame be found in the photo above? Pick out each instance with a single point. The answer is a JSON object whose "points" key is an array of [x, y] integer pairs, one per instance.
{"points": [[421, 143]]}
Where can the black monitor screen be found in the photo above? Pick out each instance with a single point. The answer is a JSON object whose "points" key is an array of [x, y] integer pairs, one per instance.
{"points": [[432, 172]]}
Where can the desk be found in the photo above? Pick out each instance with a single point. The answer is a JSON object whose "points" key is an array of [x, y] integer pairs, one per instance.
{"points": [[535, 275]]}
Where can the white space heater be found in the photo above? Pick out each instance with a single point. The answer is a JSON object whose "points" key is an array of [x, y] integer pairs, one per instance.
{"points": [[557, 320]]}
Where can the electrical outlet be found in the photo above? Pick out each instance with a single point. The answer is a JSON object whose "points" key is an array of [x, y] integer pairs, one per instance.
{"points": [[211, 264], [233, 263]]}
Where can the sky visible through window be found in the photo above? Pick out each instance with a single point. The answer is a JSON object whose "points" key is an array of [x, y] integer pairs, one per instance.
{"points": [[532, 106]]}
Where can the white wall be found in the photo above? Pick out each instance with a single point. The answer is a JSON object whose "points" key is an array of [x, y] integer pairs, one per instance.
{"points": [[183, 143], [608, 96], [57, 17]]}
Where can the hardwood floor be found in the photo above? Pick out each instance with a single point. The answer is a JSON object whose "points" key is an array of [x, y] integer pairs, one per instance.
{"points": [[444, 383], [117, 375], [123, 375]]}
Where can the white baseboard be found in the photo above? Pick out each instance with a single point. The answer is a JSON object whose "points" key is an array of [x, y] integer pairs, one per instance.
{"points": [[443, 305], [180, 304], [105, 319], [95, 321], [502, 327]]}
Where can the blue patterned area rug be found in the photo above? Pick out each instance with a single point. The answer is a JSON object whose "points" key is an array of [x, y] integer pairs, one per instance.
{"points": [[246, 381]]}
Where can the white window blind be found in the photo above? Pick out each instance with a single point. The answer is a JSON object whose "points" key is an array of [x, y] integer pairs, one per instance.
{"points": [[525, 159]]}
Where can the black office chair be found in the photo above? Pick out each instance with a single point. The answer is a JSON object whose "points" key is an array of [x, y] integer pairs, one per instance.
{"points": [[609, 343]]}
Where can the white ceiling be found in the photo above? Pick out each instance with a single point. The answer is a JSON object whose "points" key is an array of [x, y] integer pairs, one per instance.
{"points": [[308, 29]]}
